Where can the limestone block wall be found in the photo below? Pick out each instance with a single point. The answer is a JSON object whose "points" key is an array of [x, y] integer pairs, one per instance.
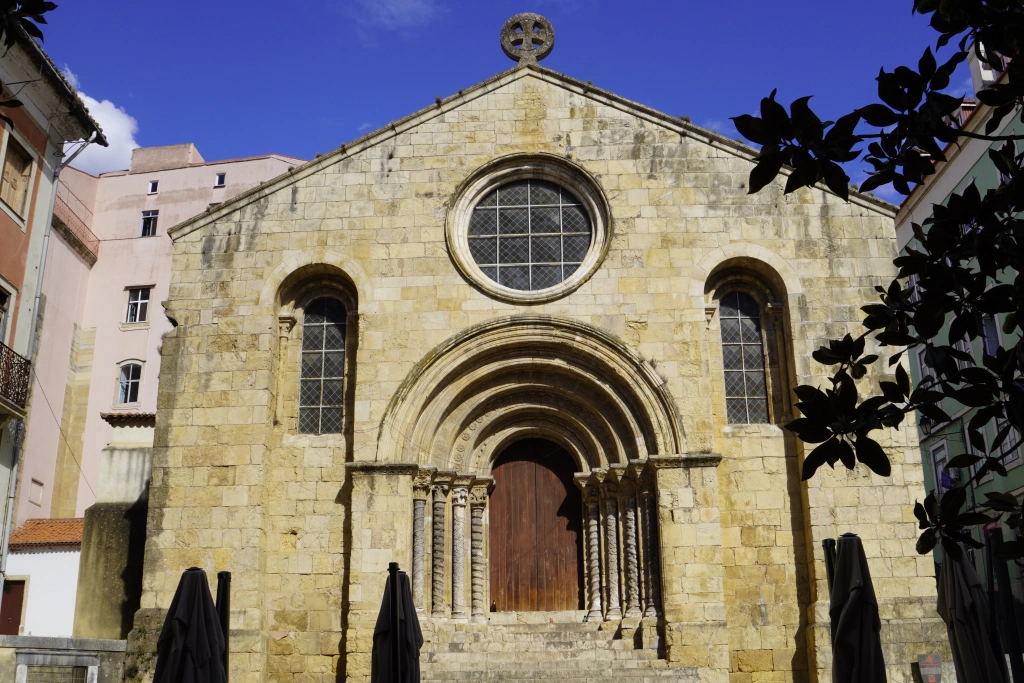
{"points": [[307, 534]]}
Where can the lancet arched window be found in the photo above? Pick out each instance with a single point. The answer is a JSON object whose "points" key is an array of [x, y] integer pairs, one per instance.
{"points": [[322, 388], [746, 391]]}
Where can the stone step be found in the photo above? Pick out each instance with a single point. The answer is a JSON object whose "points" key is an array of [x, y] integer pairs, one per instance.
{"points": [[490, 658], [596, 675]]}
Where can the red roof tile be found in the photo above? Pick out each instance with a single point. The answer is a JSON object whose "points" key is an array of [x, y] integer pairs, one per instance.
{"points": [[47, 533]]}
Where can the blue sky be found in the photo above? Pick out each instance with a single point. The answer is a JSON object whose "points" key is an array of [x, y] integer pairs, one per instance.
{"points": [[303, 76]]}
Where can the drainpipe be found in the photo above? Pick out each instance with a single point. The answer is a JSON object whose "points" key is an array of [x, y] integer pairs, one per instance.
{"points": [[19, 438]]}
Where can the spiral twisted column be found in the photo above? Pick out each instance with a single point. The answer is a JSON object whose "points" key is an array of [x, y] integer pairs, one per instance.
{"points": [[477, 505], [592, 505], [630, 554], [440, 496], [421, 491], [460, 497], [611, 552]]}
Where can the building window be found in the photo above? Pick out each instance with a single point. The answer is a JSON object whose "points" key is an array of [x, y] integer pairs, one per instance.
{"points": [[963, 346], [5, 305], [746, 392], [17, 171], [990, 334], [1010, 447], [149, 223], [322, 390], [56, 674], [128, 387], [923, 366], [138, 305], [529, 235], [153, 186], [940, 456], [220, 179]]}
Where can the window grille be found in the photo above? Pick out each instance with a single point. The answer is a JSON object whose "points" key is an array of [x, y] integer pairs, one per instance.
{"points": [[138, 305], [55, 674], [128, 387], [149, 219], [529, 235], [746, 392], [322, 384]]}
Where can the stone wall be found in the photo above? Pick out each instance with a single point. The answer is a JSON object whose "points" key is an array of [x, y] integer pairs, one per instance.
{"points": [[307, 530]]}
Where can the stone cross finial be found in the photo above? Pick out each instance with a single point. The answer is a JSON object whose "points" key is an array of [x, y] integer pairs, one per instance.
{"points": [[527, 38]]}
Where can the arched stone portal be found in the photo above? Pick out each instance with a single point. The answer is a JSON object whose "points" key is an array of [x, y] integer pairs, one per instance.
{"points": [[536, 524], [511, 381]]}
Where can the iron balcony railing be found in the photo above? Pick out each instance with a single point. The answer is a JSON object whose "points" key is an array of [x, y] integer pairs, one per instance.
{"points": [[14, 376]]}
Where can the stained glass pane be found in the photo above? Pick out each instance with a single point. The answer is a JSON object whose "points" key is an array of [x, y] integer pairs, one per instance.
{"points": [[568, 269], [544, 221], [516, 277], [575, 247], [334, 337], [755, 384], [330, 421], [334, 394], [727, 306], [753, 356], [514, 221], [309, 394], [730, 331], [312, 364], [334, 364], [514, 194], [312, 336], [484, 250], [574, 219], [490, 199], [309, 421], [757, 411], [732, 357], [546, 276], [734, 385], [747, 306], [483, 222], [737, 410], [751, 331], [514, 250], [546, 249], [543, 192]]}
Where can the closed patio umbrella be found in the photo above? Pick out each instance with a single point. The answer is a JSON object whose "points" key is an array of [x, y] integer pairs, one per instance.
{"points": [[853, 609], [411, 638], [963, 606], [191, 644]]}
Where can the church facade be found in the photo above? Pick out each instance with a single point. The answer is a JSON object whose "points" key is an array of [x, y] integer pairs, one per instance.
{"points": [[536, 343]]}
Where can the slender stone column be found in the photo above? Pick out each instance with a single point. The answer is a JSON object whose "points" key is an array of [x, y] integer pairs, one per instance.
{"points": [[632, 564], [592, 505], [460, 496], [440, 492], [652, 570], [477, 504], [420, 492], [611, 554]]}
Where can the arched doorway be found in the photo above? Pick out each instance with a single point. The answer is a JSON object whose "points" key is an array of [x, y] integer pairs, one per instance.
{"points": [[535, 530]]}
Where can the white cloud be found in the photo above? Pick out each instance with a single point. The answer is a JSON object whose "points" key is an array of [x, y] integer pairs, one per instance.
{"points": [[395, 14], [119, 128], [364, 126]]}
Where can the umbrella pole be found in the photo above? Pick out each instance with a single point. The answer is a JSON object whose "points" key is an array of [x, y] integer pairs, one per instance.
{"points": [[829, 546], [1012, 639], [224, 612], [396, 657]]}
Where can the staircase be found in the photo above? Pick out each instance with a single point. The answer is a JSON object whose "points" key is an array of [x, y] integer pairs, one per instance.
{"points": [[544, 647]]}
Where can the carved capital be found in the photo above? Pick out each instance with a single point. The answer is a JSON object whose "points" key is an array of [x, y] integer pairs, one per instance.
{"points": [[285, 323], [421, 482], [460, 496], [440, 492]]}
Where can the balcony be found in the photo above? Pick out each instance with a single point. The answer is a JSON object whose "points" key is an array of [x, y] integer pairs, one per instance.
{"points": [[15, 371]]}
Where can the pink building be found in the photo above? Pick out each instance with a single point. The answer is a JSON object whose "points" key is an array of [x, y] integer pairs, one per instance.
{"points": [[108, 269]]}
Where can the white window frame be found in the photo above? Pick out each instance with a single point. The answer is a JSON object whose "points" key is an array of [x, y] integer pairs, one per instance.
{"points": [[155, 214], [117, 383], [985, 338], [1012, 438], [9, 132], [936, 468], [154, 186], [144, 320], [5, 317], [220, 179]]}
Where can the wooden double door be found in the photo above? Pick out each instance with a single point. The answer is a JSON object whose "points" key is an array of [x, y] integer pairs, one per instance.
{"points": [[535, 530]]}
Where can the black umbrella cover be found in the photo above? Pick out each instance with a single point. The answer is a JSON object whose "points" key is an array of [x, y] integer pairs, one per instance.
{"points": [[191, 645], [408, 631], [853, 609], [963, 605]]}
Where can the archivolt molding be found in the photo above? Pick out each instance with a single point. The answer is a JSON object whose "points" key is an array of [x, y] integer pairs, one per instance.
{"points": [[742, 252], [319, 261], [530, 375]]}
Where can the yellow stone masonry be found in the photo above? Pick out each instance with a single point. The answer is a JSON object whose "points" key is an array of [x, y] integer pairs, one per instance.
{"points": [[307, 524]]}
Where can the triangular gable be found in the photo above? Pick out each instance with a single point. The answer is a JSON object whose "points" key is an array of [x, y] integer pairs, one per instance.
{"points": [[395, 128]]}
